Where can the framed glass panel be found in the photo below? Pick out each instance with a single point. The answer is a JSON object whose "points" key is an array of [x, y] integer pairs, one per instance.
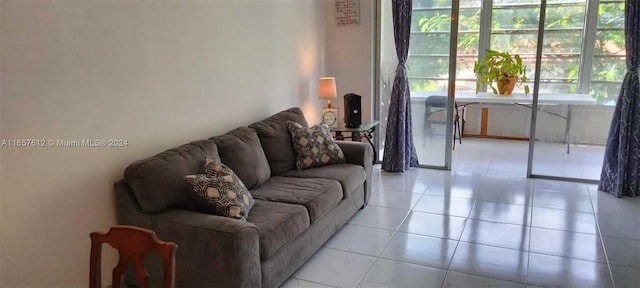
{"points": [[428, 68], [569, 138], [569, 39]]}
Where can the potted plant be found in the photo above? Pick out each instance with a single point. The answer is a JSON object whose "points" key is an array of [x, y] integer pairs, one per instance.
{"points": [[503, 69]]}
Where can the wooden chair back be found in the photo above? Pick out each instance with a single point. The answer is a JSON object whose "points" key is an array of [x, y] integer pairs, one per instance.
{"points": [[132, 244]]}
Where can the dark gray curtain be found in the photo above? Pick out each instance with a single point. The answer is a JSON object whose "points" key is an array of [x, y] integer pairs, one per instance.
{"points": [[620, 174], [399, 151]]}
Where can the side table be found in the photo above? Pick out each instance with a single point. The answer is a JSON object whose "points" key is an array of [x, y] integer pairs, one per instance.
{"points": [[365, 130]]}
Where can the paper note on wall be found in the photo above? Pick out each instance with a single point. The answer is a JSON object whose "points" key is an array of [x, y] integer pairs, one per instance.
{"points": [[347, 11]]}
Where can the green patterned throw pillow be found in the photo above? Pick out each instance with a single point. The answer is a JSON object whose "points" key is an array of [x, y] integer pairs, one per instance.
{"points": [[315, 146], [220, 191]]}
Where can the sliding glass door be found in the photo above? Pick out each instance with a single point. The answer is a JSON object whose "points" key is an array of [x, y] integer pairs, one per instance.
{"points": [[430, 79], [582, 62], [429, 67], [582, 65]]}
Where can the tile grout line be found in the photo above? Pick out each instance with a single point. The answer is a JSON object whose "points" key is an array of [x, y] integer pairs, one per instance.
{"points": [[604, 250], [467, 221], [460, 240], [368, 271], [313, 282], [476, 199], [494, 221], [530, 234], [385, 247], [396, 231], [446, 271]]}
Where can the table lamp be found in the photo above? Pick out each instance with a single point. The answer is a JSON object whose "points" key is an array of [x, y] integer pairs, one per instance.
{"points": [[327, 90]]}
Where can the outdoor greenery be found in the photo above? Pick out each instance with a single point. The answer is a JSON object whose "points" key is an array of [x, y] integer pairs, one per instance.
{"points": [[514, 25], [501, 69]]}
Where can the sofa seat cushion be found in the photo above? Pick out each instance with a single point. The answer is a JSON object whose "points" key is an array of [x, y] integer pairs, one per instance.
{"points": [[278, 224], [316, 194], [350, 176]]}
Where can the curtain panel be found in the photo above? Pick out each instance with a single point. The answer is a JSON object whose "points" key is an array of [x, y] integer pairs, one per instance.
{"points": [[620, 169], [399, 150]]}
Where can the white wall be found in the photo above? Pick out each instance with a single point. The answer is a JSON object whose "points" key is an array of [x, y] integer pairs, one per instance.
{"points": [[156, 73], [350, 56]]}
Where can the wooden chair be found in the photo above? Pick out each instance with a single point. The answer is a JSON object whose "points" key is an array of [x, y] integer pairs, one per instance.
{"points": [[132, 244]]}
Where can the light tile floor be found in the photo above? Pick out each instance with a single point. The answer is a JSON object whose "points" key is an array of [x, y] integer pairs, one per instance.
{"points": [[474, 227], [510, 157]]}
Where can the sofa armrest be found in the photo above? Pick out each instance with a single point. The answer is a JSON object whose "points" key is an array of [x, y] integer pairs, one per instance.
{"points": [[213, 251], [360, 153]]}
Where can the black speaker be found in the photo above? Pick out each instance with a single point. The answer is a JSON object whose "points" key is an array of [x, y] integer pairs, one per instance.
{"points": [[352, 110]]}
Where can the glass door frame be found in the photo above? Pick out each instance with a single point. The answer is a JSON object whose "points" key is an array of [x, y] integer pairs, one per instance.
{"points": [[536, 88], [453, 50], [453, 53], [452, 76]]}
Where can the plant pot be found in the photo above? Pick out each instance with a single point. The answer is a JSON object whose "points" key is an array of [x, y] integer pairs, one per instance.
{"points": [[506, 85]]}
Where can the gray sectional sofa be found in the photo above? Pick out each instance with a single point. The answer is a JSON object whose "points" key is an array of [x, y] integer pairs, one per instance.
{"points": [[295, 211]]}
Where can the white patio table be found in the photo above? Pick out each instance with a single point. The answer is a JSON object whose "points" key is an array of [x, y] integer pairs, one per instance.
{"points": [[520, 99]]}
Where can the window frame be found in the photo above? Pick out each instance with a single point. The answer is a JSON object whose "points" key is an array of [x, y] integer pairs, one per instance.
{"points": [[585, 56]]}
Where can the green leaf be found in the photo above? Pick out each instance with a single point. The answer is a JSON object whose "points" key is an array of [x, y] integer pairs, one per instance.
{"points": [[499, 65]]}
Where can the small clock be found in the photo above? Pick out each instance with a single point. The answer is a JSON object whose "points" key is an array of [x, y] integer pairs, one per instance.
{"points": [[330, 116]]}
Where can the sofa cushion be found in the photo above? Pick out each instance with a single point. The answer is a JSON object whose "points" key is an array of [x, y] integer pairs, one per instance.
{"points": [[276, 139], [220, 191], [277, 223], [314, 146], [158, 182], [317, 195], [350, 176], [240, 149]]}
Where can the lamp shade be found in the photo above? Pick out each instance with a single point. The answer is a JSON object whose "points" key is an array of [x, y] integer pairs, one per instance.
{"points": [[327, 88]]}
